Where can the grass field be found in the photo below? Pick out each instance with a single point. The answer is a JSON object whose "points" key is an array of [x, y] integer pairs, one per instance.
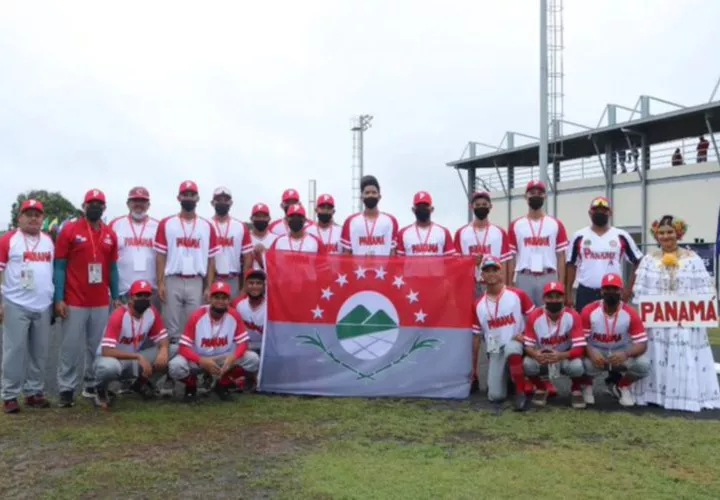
{"points": [[714, 336], [287, 447]]}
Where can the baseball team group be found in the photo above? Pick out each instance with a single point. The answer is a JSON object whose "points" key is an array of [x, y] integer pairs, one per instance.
{"points": [[147, 303]]}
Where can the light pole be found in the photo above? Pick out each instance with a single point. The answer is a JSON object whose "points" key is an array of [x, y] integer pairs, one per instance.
{"points": [[359, 125], [543, 148]]}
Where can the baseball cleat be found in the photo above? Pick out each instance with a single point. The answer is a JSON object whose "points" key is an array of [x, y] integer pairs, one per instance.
{"points": [[577, 400], [223, 392], [588, 394], [520, 401], [101, 400], [190, 394], [37, 401], [11, 406], [625, 398], [143, 388], [168, 388], [125, 387], [88, 393], [540, 398], [66, 399]]}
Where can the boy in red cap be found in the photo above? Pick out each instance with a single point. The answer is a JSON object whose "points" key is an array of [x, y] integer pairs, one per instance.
{"points": [[326, 229], [424, 237], [290, 197], [298, 239], [260, 235]]}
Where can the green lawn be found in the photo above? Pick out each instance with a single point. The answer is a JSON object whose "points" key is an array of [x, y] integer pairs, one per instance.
{"points": [[714, 335], [286, 447]]}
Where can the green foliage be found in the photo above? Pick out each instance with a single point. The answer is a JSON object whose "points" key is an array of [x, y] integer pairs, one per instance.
{"points": [[57, 207]]}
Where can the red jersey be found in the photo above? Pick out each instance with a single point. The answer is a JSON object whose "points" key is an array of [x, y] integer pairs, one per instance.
{"points": [[89, 253]]}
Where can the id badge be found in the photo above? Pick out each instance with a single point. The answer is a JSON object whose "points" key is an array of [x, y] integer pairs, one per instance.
{"points": [[188, 266], [140, 262], [536, 263], [222, 264], [27, 277], [95, 273], [493, 344]]}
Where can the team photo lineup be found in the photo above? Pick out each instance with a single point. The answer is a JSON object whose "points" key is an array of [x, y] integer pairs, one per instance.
{"points": [[144, 304]]}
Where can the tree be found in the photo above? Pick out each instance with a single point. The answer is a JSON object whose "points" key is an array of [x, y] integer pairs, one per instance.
{"points": [[57, 207]]}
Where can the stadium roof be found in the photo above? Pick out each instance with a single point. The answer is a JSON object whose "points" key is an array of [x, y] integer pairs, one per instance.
{"points": [[665, 127]]}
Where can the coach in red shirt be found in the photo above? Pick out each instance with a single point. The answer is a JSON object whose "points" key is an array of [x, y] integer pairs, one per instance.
{"points": [[86, 276]]}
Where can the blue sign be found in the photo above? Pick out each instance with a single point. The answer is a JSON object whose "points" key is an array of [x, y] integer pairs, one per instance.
{"points": [[706, 251]]}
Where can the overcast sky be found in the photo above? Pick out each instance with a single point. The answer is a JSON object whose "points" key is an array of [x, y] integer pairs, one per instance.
{"points": [[258, 95]]}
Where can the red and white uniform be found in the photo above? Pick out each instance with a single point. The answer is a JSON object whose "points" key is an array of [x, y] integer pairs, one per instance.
{"points": [[503, 318], [188, 245], [125, 332], [205, 337], [535, 243], [20, 253], [432, 240], [279, 227], [266, 241], [596, 255], [309, 243], [253, 317], [612, 333], [233, 241], [365, 236], [488, 240], [561, 336], [330, 236], [82, 246], [136, 253]]}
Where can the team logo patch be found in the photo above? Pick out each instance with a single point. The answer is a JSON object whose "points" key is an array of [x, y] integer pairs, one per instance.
{"points": [[613, 243], [587, 243]]}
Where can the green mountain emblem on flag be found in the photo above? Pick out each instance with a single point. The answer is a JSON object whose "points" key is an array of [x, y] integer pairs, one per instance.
{"points": [[367, 325], [360, 321]]}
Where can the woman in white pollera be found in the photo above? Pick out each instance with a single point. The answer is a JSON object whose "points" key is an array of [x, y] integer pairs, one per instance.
{"points": [[682, 370]]}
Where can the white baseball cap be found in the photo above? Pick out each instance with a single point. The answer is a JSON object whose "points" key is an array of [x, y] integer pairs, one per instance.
{"points": [[222, 191]]}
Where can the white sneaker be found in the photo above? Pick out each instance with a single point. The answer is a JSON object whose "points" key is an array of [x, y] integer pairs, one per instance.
{"points": [[626, 398], [168, 388], [588, 394]]}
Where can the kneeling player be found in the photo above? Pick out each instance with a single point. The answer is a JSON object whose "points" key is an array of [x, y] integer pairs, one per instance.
{"points": [[134, 346], [616, 343], [251, 307], [500, 315], [554, 338], [214, 342]]}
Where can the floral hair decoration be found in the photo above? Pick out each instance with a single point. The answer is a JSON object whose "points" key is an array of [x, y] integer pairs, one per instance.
{"points": [[678, 224]]}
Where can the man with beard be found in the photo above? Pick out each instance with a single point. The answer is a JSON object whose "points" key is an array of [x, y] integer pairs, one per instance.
{"points": [[260, 236], [86, 277], [289, 198], [326, 229], [370, 232], [235, 246], [251, 307]]}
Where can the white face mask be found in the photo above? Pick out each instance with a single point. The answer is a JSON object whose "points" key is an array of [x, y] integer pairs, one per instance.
{"points": [[138, 216]]}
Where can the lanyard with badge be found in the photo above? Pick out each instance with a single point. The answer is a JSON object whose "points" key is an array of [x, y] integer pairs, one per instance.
{"points": [[136, 333], [328, 243], [481, 249], [95, 275], [139, 255], [370, 233], [423, 243], [610, 332], [27, 273], [553, 369], [536, 256], [290, 243], [494, 343], [188, 262], [222, 259]]}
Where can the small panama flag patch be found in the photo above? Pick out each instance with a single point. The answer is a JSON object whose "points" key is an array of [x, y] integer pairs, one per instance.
{"points": [[375, 326]]}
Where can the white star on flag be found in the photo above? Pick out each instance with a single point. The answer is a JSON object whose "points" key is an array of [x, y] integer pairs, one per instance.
{"points": [[420, 316], [413, 296], [380, 273], [327, 293], [317, 312], [341, 280], [398, 282], [360, 272]]}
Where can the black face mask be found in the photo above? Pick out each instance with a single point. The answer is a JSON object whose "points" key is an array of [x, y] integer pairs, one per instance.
{"points": [[188, 205], [370, 202], [422, 214], [481, 212], [141, 305], [260, 225], [324, 218], [599, 218], [219, 310], [611, 299], [93, 213], [554, 307], [296, 225], [222, 209], [536, 202]]}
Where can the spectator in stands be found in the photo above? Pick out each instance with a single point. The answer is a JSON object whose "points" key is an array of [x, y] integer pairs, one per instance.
{"points": [[677, 158], [702, 149]]}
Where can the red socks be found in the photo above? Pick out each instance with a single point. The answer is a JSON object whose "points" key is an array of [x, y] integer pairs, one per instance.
{"points": [[624, 381], [577, 384], [517, 375], [190, 381]]}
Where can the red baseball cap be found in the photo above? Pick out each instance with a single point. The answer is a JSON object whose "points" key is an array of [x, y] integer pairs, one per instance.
{"points": [[296, 209], [325, 199], [94, 195], [32, 205], [553, 286], [535, 185], [220, 287], [600, 202], [138, 193], [140, 286], [188, 186], [222, 191], [612, 280], [490, 261], [255, 273], [422, 197], [260, 208], [290, 194], [480, 194]]}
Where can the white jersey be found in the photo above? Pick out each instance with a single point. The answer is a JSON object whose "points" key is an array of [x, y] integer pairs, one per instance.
{"points": [[266, 242], [207, 337], [562, 335], [27, 266], [365, 236], [504, 318], [129, 334], [233, 242], [187, 244], [432, 240], [253, 317], [330, 236], [488, 240], [596, 255], [279, 227], [536, 243], [309, 243], [136, 253]]}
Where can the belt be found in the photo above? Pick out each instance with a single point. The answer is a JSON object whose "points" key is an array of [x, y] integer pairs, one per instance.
{"points": [[539, 273], [186, 276], [231, 275]]}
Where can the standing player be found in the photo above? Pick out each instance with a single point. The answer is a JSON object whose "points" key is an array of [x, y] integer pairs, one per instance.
{"points": [[214, 342], [499, 316], [134, 347], [86, 276], [235, 246], [290, 197], [616, 343], [369, 232], [326, 229], [260, 236], [26, 274], [424, 237], [251, 307], [596, 251], [554, 337], [298, 239], [538, 242], [136, 237]]}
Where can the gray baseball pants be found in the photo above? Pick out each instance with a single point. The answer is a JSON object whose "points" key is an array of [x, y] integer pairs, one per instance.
{"points": [[26, 340], [180, 368], [182, 297], [637, 368], [109, 369], [498, 370], [82, 332], [572, 368], [533, 284]]}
